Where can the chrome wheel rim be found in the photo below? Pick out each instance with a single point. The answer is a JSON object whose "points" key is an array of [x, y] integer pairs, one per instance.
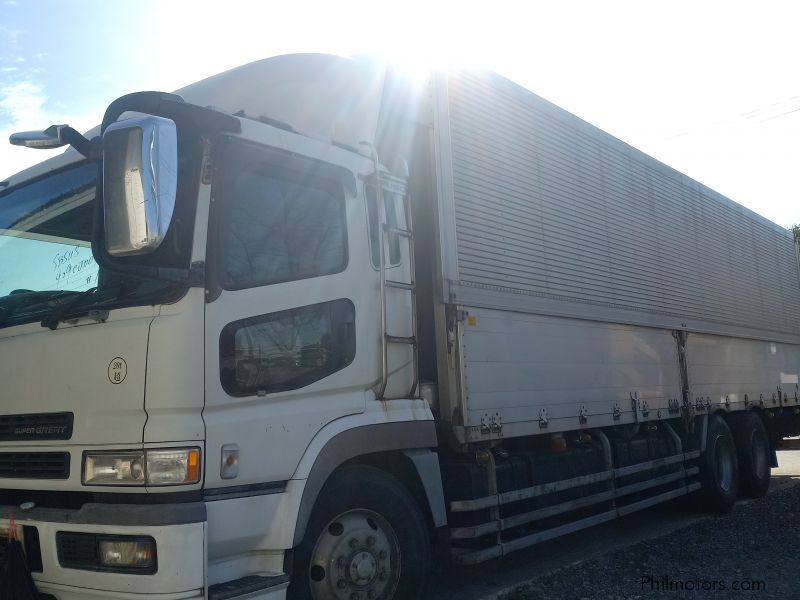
{"points": [[356, 557]]}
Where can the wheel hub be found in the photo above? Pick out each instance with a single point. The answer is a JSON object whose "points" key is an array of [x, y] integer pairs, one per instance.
{"points": [[356, 557], [363, 568]]}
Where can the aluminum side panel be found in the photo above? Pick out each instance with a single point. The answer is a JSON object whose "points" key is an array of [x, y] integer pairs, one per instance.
{"points": [[516, 365], [725, 368]]}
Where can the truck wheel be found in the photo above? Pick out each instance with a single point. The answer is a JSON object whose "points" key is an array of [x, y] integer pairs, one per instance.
{"points": [[366, 539], [719, 471], [752, 448]]}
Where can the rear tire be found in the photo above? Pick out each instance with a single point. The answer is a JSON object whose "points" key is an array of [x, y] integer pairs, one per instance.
{"points": [[719, 469], [753, 452], [367, 538]]}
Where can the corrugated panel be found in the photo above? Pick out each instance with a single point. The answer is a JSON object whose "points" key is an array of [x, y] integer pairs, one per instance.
{"points": [[548, 205]]}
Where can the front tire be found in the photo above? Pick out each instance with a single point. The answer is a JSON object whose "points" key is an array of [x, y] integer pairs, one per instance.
{"points": [[367, 539], [752, 447], [719, 469]]}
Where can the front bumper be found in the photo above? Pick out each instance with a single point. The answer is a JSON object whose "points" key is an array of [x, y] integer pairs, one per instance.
{"points": [[179, 531]]}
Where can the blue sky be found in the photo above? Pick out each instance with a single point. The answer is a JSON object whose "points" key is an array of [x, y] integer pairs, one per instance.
{"points": [[66, 51], [709, 87]]}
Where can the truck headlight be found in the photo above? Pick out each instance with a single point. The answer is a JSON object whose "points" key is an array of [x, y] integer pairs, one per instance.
{"points": [[118, 468], [172, 466]]}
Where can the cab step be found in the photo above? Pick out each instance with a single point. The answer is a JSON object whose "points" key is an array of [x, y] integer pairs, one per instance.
{"points": [[252, 587]]}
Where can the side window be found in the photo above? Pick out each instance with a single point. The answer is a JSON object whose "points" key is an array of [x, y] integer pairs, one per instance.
{"points": [[287, 350], [282, 225]]}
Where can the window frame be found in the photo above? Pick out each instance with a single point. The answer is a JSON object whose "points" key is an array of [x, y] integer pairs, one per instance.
{"points": [[227, 341], [337, 181]]}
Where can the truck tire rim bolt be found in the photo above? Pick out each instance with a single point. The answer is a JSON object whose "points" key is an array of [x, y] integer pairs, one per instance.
{"points": [[357, 555]]}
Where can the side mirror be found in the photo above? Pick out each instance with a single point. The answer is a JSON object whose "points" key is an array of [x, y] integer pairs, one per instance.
{"points": [[140, 180], [52, 137], [55, 136]]}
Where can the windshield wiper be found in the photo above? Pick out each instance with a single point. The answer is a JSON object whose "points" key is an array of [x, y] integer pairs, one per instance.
{"points": [[60, 311], [18, 299], [62, 305]]}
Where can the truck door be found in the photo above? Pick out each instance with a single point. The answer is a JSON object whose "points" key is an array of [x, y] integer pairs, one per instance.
{"points": [[284, 354]]}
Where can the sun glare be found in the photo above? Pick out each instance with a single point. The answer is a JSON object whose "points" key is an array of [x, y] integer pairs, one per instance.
{"points": [[419, 63]]}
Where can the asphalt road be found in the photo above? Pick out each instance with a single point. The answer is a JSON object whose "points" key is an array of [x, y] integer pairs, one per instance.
{"points": [[495, 578]]}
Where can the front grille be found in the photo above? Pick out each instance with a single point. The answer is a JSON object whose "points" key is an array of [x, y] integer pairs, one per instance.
{"points": [[45, 426], [77, 550], [34, 465]]}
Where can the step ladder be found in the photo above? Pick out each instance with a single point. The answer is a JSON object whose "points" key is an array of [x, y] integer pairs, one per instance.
{"points": [[408, 286]]}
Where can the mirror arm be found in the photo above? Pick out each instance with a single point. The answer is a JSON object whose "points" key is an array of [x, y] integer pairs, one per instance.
{"points": [[193, 277], [172, 107], [152, 103], [90, 148]]}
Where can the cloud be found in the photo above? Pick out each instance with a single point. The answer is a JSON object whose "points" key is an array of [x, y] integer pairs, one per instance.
{"points": [[23, 106], [24, 102], [21, 101], [10, 36]]}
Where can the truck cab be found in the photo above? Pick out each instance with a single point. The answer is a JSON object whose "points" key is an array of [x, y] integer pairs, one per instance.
{"points": [[203, 316]]}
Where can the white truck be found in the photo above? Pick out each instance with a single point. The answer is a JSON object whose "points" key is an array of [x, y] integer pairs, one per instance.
{"points": [[306, 329]]}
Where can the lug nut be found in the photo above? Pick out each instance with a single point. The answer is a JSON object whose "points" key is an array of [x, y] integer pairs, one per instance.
{"points": [[353, 542], [382, 554], [371, 594], [370, 541], [382, 576], [341, 584]]}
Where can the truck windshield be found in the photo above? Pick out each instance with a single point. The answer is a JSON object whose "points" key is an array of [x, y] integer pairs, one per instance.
{"points": [[47, 270], [45, 234]]}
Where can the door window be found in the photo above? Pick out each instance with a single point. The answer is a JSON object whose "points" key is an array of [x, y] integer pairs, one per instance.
{"points": [[281, 225], [287, 350]]}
